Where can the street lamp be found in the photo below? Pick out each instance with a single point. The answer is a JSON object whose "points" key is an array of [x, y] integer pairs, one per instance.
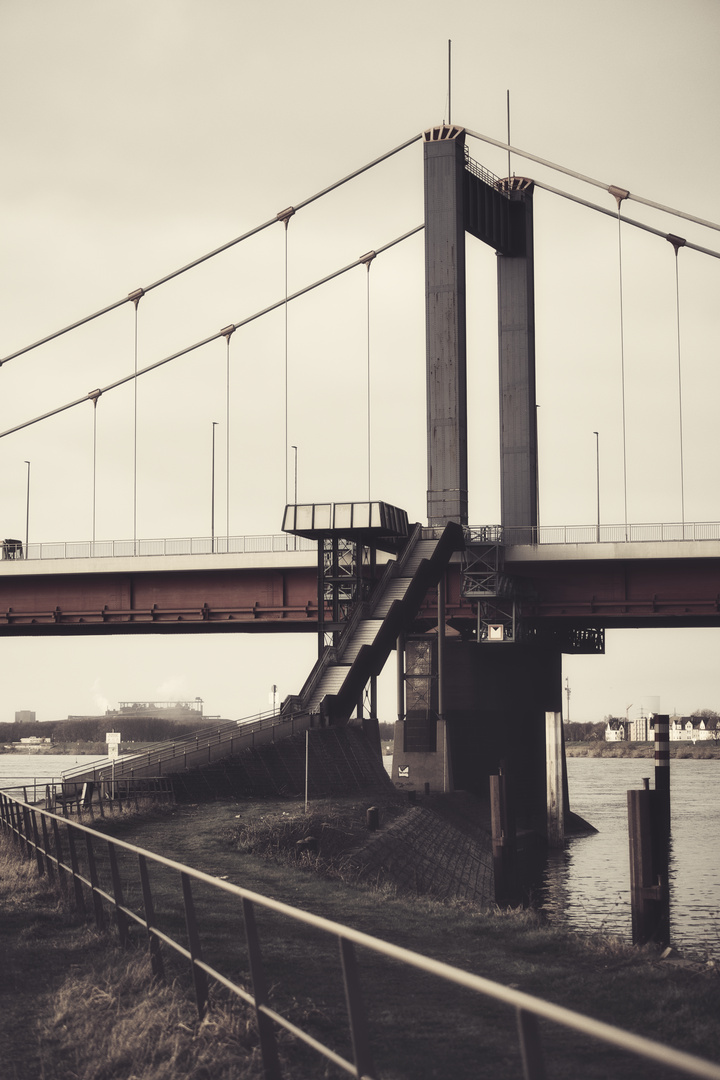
{"points": [[296, 455], [597, 485], [212, 489], [27, 510]]}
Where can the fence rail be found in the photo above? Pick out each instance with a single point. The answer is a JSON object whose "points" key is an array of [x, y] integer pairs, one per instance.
{"points": [[283, 542], [188, 545], [653, 532], [46, 837]]}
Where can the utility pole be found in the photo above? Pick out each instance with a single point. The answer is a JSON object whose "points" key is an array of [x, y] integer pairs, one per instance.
{"points": [[567, 694]]}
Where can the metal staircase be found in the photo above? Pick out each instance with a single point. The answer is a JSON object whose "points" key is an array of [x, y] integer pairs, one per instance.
{"points": [[339, 676]]}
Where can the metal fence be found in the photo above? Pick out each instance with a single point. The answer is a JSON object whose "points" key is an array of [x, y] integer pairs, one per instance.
{"points": [[187, 545], [69, 853], [656, 532], [283, 542]]}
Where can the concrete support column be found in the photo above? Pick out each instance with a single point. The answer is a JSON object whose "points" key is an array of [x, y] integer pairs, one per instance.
{"points": [[518, 412], [444, 164]]}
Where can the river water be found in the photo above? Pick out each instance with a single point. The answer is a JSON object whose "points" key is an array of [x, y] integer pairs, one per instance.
{"points": [[587, 885], [36, 770]]}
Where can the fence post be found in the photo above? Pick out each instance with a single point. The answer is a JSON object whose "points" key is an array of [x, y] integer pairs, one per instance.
{"points": [[46, 850], [530, 1045], [268, 1046], [199, 976], [58, 852], [35, 842], [122, 922], [77, 884], [96, 899], [156, 960], [359, 1029]]}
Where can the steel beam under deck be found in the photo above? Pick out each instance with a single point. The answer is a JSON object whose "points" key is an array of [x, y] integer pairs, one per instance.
{"points": [[579, 587]]}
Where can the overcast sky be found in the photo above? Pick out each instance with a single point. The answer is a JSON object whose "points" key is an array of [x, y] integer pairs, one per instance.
{"points": [[139, 136]]}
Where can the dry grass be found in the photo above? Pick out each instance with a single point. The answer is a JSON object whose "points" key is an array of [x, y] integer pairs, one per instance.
{"points": [[113, 1022], [97, 1015]]}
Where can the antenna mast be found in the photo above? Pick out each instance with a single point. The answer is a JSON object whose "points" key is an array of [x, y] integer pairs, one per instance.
{"points": [[449, 82]]}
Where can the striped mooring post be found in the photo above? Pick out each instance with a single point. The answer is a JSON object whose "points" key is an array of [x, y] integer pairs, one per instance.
{"points": [[662, 772]]}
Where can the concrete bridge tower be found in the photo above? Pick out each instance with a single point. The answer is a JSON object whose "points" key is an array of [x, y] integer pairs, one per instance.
{"points": [[471, 704]]}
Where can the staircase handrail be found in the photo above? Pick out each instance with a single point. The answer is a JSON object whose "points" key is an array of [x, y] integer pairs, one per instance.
{"points": [[161, 751], [329, 655], [366, 608], [362, 610]]}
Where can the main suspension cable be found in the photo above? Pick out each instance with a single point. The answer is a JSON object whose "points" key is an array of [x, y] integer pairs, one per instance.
{"points": [[626, 220], [591, 180], [210, 255], [213, 337]]}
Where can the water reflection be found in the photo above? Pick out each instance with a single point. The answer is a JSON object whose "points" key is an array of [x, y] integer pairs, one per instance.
{"points": [[587, 885]]}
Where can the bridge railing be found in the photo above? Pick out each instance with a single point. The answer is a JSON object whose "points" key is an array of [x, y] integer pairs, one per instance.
{"points": [[113, 874], [654, 532], [657, 532], [188, 545]]}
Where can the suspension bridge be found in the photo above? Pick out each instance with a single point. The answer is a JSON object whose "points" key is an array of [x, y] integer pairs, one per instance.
{"points": [[478, 615]]}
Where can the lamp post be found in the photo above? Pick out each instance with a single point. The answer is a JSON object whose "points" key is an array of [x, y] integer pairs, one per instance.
{"points": [[212, 490], [597, 483], [295, 503], [27, 510]]}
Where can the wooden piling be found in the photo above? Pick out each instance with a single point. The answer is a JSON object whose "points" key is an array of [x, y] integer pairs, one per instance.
{"points": [[554, 771], [649, 891], [503, 838]]}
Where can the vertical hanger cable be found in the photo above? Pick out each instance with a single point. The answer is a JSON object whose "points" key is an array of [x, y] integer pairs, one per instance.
{"points": [[620, 194], [678, 242]]}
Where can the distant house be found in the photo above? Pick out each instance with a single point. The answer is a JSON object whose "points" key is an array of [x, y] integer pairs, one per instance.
{"points": [[693, 729], [615, 730]]}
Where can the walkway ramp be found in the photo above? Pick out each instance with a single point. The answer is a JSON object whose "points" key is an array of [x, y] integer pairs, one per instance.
{"points": [[334, 686]]}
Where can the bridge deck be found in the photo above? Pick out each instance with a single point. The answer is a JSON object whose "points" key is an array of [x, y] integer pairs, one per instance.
{"points": [[669, 583]]}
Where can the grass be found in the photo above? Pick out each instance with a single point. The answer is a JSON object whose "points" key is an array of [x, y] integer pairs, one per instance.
{"points": [[103, 1018]]}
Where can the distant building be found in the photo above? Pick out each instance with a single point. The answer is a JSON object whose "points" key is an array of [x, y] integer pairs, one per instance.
{"points": [[642, 729], [178, 711], [693, 729], [615, 730], [25, 716]]}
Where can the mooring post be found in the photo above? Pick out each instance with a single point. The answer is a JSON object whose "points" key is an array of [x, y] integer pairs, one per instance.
{"points": [[503, 837], [662, 774], [554, 770], [649, 898]]}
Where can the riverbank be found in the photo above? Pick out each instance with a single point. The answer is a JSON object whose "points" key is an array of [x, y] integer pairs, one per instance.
{"points": [[703, 751], [96, 1014]]}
